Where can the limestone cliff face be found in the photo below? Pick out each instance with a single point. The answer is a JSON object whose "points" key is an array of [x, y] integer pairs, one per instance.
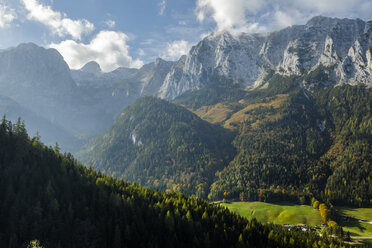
{"points": [[343, 45]]}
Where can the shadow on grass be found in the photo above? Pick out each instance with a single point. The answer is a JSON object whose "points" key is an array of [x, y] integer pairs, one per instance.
{"points": [[350, 222]]}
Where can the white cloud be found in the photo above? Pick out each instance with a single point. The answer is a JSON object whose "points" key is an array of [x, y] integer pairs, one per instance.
{"points": [[203, 35], [267, 15], [230, 15], [110, 23], [291, 12], [57, 22], [107, 48], [162, 6], [289, 18], [176, 49], [340, 7], [7, 15]]}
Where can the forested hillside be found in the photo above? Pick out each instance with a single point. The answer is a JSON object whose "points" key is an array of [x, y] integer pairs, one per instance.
{"points": [[162, 145], [349, 112], [48, 196], [280, 142], [294, 144]]}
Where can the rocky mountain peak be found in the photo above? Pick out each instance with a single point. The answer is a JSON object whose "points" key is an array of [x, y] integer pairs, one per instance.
{"points": [[160, 61], [92, 67], [296, 50], [31, 66], [152, 76], [321, 21], [28, 46]]}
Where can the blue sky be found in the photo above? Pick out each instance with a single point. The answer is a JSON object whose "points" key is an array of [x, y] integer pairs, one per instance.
{"points": [[133, 32]]}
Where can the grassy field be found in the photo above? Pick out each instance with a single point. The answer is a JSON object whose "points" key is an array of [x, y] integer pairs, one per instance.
{"points": [[288, 213], [285, 213], [353, 225], [214, 114]]}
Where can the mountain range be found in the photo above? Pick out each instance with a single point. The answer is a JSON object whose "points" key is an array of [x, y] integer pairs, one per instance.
{"points": [[79, 102], [296, 136], [342, 45], [280, 115]]}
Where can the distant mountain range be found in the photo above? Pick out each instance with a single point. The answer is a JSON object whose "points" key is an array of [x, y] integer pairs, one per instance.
{"points": [[79, 103], [294, 135], [86, 101]]}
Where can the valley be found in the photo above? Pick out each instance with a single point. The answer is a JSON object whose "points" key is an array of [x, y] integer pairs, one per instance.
{"points": [[160, 155], [58, 201], [353, 220], [283, 213]]}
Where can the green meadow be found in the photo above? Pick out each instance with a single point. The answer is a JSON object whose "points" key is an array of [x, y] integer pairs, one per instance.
{"points": [[288, 213], [283, 213], [353, 223]]}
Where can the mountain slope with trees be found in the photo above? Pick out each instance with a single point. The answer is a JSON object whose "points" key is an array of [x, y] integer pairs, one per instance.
{"points": [[289, 143], [159, 144], [296, 144], [49, 197]]}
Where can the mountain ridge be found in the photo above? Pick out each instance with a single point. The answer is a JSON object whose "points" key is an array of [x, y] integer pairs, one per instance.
{"points": [[343, 44]]}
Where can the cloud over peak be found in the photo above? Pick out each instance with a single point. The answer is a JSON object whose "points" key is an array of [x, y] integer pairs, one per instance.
{"points": [[107, 48], [176, 49], [57, 22], [267, 15], [7, 15], [229, 15]]}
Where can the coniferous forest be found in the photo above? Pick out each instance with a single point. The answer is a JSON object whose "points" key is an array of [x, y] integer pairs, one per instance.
{"points": [[158, 144], [320, 147], [49, 197]]}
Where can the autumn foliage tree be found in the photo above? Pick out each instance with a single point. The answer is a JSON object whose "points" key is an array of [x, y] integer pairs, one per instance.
{"points": [[325, 213]]}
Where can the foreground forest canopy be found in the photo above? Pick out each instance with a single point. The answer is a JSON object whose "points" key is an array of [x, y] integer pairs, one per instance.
{"points": [[49, 197], [279, 143]]}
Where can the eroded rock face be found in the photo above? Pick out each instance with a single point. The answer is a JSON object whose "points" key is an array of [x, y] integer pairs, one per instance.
{"points": [[343, 45]]}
